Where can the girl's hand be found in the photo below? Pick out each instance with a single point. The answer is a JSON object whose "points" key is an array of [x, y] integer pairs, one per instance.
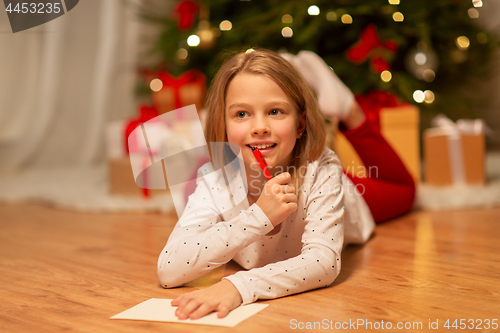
{"points": [[278, 198], [221, 297]]}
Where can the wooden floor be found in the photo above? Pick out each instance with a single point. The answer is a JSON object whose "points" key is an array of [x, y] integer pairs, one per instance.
{"points": [[69, 271]]}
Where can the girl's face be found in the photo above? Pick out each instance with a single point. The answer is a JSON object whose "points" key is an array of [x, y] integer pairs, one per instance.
{"points": [[259, 114]]}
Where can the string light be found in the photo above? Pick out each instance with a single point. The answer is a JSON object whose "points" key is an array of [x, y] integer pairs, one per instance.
{"points": [[156, 85], [473, 13], [418, 96], [225, 25], [477, 3], [287, 18], [287, 32], [428, 96], [398, 17], [386, 76], [331, 16], [394, 2], [462, 42], [182, 53], [206, 36], [428, 75], [313, 10], [420, 58], [346, 19], [193, 40]]}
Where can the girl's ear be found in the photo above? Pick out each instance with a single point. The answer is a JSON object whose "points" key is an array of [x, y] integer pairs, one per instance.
{"points": [[302, 124]]}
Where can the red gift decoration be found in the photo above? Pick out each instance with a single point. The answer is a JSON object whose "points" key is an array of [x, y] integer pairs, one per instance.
{"points": [[374, 102], [145, 113], [185, 90], [370, 46], [185, 11]]}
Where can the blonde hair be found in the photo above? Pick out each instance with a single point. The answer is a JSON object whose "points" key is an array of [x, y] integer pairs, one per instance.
{"points": [[265, 62]]}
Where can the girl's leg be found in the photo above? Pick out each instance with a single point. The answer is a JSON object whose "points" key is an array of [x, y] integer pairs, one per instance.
{"points": [[389, 190], [386, 200]]}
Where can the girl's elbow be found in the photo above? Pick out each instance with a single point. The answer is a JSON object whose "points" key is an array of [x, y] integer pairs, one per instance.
{"points": [[330, 278], [168, 279]]}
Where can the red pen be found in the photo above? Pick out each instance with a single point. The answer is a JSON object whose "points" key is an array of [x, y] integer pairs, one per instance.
{"points": [[262, 162]]}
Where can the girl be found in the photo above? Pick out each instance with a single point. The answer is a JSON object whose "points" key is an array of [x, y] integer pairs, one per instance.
{"points": [[289, 231]]}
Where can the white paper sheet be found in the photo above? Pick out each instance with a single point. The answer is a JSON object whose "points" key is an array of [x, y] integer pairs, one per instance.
{"points": [[158, 309]]}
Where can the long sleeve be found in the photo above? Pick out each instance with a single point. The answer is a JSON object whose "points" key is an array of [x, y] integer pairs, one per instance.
{"points": [[320, 214], [201, 241]]}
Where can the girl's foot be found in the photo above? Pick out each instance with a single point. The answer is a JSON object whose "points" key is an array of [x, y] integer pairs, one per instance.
{"points": [[334, 98]]}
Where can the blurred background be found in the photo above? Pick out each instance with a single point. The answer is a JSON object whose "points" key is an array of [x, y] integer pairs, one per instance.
{"points": [[72, 89]]}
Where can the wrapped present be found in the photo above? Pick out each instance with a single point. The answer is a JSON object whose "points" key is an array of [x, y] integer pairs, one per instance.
{"points": [[454, 152], [175, 93], [120, 175], [399, 125], [121, 179], [166, 152], [146, 113]]}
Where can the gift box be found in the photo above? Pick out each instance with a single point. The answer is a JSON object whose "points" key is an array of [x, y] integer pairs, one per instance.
{"points": [[121, 179], [454, 153], [399, 125], [175, 93]]}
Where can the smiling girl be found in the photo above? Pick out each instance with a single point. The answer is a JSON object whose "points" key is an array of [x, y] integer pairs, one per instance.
{"points": [[287, 232]]}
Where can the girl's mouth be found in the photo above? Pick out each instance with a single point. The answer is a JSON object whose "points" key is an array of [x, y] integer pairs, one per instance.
{"points": [[262, 147]]}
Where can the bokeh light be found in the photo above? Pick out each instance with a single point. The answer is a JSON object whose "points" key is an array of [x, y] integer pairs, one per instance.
{"points": [[287, 18], [313, 10], [473, 13], [193, 40], [346, 19], [287, 32], [331, 16], [477, 3], [386, 76], [420, 58], [418, 96], [428, 96], [462, 42], [225, 25], [181, 53], [156, 85], [428, 75], [394, 2], [398, 17]]}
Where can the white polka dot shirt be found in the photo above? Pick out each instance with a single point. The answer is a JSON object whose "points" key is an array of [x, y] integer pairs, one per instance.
{"points": [[303, 255]]}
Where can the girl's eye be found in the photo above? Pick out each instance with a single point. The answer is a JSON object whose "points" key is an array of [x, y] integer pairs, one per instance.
{"points": [[275, 112], [241, 114]]}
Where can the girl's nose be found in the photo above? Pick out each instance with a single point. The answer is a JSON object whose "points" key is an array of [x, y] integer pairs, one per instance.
{"points": [[260, 126]]}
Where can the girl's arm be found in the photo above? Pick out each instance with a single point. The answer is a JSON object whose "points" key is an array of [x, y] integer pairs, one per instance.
{"points": [[201, 241], [319, 262]]}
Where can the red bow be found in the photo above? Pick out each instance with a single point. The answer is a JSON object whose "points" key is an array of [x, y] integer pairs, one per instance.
{"points": [[185, 12], [146, 113], [373, 102], [370, 46], [190, 76]]}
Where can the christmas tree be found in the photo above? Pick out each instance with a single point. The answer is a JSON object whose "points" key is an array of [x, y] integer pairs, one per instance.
{"points": [[422, 51]]}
